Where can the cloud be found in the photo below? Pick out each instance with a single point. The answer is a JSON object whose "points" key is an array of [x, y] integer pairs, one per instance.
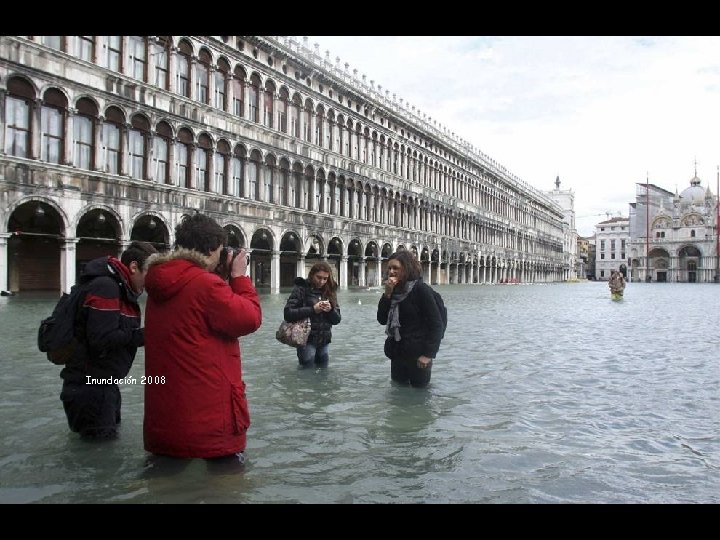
{"points": [[601, 112]]}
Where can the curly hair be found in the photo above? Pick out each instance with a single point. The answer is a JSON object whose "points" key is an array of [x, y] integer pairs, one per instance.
{"points": [[200, 233], [410, 264]]}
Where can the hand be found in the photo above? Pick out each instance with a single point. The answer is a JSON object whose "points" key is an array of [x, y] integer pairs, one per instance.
{"points": [[239, 265], [390, 285], [322, 305], [424, 362]]}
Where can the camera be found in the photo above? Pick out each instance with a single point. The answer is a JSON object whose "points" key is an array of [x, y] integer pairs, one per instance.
{"points": [[223, 267]]}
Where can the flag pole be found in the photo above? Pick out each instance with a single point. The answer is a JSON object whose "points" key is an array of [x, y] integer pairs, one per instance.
{"points": [[647, 227], [717, 227]]}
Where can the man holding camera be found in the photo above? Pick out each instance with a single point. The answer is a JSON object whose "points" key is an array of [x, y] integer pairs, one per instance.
{"points": [[196, 404]]}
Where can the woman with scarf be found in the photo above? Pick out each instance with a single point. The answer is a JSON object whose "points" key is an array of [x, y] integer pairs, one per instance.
{"points": [[413, 322]]}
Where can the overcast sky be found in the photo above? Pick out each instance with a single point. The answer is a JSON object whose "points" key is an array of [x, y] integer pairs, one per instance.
{"points": [[600, 112]]}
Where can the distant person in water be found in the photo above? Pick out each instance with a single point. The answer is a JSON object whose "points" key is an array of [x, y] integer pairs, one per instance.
{"points": [[616, 283]]}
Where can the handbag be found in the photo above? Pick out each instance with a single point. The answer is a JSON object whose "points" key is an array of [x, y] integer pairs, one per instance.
{"points": [[295, 333]]}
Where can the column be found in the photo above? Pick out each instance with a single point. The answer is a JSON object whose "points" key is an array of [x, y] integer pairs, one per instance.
{"points": [[251, 266], [151, 61], [67, 264], [344, 272], [245, 184], [361, 271], [275, 272], [124, 64], [4, 261], [261, 105], [211, 85], [124, 148], [172, 70], [3, 120], [98, 163], [300, 270], [427, 278], [229, 92], [35, 130], [192, 176], [210, 173], [66, 158], [192, 73]]}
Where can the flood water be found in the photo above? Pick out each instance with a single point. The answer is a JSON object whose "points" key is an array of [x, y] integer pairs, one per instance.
{"points": [[540, 394]]}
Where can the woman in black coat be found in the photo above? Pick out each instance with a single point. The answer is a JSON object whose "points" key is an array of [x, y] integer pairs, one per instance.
{"points": [[315, 297], [413, 322]]}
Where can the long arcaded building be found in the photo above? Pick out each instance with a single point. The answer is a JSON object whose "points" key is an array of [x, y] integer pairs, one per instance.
{"points": [[108, 139]]}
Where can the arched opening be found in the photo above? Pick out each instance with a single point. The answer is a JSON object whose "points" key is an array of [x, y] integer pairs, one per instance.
{"points": [[98, 234], [260, 258], [36, 235], [289, 254]]}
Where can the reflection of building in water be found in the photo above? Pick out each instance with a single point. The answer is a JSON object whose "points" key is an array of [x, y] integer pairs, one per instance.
{"points": [[674, 236], [108, 139]]}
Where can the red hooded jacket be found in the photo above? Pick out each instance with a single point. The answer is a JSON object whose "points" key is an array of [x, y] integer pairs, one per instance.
{"points": [[195, 403]]}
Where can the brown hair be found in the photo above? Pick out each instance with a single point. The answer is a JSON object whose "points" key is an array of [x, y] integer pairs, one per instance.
{"points": [[137, 251], [330, 287], [411, 266]]}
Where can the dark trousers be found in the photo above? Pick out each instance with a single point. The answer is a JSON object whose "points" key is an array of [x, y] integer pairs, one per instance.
{"points": [[406, 371], [92, 410]]}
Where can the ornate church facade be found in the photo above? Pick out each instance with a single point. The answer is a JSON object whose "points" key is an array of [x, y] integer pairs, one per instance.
{"points": [[674, 237]]}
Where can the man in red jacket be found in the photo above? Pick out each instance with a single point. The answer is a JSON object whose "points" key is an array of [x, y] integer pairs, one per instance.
{"points": [[195, 403]]}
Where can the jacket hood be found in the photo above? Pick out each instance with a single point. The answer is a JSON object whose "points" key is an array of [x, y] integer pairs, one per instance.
{"points": [[95, 268], [169, 272], [301, 281]]}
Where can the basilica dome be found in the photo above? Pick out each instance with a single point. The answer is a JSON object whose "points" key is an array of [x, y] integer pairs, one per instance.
{"points": [[694, 194]]}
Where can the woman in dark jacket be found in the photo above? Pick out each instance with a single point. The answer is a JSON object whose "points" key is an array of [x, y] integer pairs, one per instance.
{"points": [[413, 322], [315, 297]]}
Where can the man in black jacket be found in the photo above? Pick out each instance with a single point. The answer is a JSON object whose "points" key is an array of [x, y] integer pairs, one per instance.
{"points": [[108, 330]]}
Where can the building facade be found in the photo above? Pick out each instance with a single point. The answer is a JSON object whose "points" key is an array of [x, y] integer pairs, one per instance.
{"points": [[565, 198], [583, 257], [109, 139], [612, 238], [674, 237]]}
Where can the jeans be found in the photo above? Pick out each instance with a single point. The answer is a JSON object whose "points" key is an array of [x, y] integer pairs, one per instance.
{"points": [[312, 352]]}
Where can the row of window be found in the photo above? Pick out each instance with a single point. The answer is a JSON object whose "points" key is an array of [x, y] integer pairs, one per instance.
{"points": [[612, 245], [290, 116], [612, 255], [180, 162]]}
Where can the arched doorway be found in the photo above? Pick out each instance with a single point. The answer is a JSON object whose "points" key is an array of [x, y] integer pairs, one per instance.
{"points": [[98, 233], [151, 228], [37, 234], [689, 257], [289, 254], [260, 258]]}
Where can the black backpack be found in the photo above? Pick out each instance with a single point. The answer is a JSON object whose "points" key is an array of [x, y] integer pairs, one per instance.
{"points": [[441, 307], [56, 335]]}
